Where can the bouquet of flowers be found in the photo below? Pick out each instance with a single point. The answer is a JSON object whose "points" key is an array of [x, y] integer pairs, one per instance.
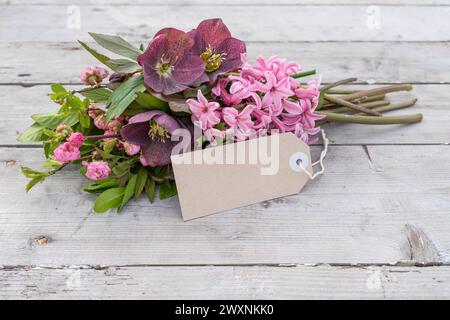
{"points": [[119, 129]]}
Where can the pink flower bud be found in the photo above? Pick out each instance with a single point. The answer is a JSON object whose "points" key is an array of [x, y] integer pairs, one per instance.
{"points": [[143, 161], [66, 152], [99, 122], [114, 125], [93, 76], [131, 149], [76, 139], [64, 129], [97, 170]]}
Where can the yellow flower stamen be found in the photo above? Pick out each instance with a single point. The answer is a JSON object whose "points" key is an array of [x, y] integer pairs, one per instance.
{"points": [[212, 60], [157, 132]]}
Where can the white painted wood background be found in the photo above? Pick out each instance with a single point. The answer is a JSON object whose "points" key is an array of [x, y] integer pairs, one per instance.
{"points": [[376, 225]]}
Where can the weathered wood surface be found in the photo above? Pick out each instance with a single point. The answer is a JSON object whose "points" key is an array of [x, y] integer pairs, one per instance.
{"points": [[376, 205], [20, 102], [373, 62], [382, 206], [250, 23], [223, 2], [227, 283]]}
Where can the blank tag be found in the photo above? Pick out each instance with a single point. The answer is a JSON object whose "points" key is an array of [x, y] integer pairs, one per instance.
{"points": [[238, 174]]}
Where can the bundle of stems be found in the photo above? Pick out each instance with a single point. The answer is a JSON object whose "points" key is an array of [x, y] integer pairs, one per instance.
{"points": [[363, 106]]}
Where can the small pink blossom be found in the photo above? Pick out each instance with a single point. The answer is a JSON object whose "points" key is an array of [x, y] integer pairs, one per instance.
{"points": [[66, 152], [219, 90], [131, 149], [239, 120], [114, 125], [274, 91], [76, 139], [93, 76], [204, 112], [100, 123], [97, 170], [109, 133]]}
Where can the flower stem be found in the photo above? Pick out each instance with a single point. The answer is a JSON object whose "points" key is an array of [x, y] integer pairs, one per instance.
{"points": [[377, 91], [350, 105], [303, 74], [396, 106], [100, 136], [369, 105], [413, 118], [337, 83]]}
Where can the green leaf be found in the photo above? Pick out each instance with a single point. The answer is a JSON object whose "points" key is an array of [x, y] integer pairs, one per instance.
{"points": [[98, 187], [129, 191], [140, 182], [167, 190], [57, 88], [52, 164], [33, 182], [123, 96], [109, 199], [52, 120], [97, 94], [100, 57], [124, 66], [150, 189], [117, 45], [31, 173], [33, 133], [150, 102], [84, 118], [114, 64], [109, 145]]}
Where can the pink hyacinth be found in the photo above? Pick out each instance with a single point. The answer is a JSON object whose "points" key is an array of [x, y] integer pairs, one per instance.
{"points": [[93, 76], [97, 170], [203, 112], [240, 122], [66, 152], [76, 139], [274, 90]]}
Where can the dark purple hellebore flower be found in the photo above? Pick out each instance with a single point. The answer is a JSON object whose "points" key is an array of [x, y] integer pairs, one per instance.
{"points": [[215, 45], [152, 130], [169, 66]]}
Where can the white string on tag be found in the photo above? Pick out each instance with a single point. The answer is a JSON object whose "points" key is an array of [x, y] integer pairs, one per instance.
{"points": [[301, 163]]}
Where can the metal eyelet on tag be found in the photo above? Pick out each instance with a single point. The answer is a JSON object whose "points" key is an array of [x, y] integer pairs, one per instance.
{"points": [[298, 162]]}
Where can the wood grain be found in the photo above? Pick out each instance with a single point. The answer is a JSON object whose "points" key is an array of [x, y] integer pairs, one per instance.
{"points": [[227, 283], [373, 62], [382, 204], [286, 23], [233, 2]]}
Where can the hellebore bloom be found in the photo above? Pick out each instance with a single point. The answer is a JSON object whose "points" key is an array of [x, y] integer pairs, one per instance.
{"points": [[97, 170], [204, 112], [93, 76], [168, 65], [151, 131], [217, 48]]}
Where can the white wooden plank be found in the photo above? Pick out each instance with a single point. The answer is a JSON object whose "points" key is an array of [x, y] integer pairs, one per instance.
{"points": [[250, 23], [393, 206], [374, 62], [230, 2], [19, 103], [227, 283]]}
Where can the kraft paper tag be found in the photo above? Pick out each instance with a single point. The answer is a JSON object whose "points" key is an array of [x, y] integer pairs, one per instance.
{"points": [[239, 174]]}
